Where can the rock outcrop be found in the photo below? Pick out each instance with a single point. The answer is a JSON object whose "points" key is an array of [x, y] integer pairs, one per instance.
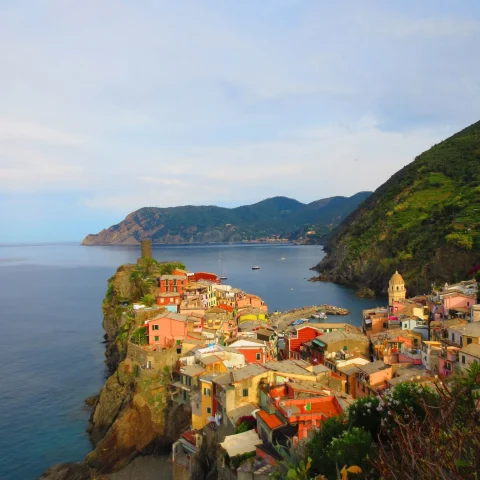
{"points": [[133, 414]]}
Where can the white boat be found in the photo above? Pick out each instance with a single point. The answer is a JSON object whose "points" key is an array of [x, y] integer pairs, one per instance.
{"points": [[256, 267]]}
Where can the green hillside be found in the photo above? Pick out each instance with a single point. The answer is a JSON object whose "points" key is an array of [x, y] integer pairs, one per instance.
{"points": [[424, 221], [274, 217]]}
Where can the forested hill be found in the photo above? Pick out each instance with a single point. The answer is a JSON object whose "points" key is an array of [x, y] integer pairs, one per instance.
{"points": [[424, 221], [280, 217]]}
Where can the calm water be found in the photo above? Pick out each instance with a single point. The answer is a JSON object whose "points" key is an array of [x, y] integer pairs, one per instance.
{"points": [[51, 355]]}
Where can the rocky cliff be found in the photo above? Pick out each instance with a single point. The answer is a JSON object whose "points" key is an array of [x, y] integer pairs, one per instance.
{"points": [[133, 414], [275, 217], [424, 221]]}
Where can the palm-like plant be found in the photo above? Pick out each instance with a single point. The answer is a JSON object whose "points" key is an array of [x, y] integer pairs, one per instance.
{"points": [[148, 300]]}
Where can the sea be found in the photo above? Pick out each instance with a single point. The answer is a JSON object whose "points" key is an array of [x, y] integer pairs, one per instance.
{"points": [[51, 341]]}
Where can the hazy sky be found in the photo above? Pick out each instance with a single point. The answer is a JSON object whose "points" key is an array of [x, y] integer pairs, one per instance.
{"points": [[107, 106]]}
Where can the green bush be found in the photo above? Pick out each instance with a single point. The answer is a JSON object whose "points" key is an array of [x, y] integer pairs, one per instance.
{"points": [[460, 240]]}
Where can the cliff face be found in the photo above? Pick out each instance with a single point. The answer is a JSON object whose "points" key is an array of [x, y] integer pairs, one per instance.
{"points": [[133, 414], [277, 216], [424, 221]]}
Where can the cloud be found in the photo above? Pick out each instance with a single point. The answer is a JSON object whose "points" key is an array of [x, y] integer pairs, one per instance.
{"points": [[14, 130], [165, 103]]}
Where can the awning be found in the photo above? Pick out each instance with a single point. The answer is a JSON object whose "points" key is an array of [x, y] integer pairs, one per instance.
{"points": [[241, 443]]}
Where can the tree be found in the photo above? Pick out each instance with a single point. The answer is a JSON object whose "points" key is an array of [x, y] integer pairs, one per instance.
{"points": [[148, 300], [317, 447], [443, 442], [353, 446]]}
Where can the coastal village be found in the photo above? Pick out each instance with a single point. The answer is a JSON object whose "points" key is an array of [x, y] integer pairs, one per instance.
{"points": [[252, 380]]}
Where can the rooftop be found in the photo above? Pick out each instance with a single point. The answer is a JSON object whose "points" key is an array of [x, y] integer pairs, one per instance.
{"points": [[241, 411], [308, 387], [294, 367], [473, 349], [209, 359], [171, 315], [247, 372], [173, 277], [373, 367], [339, 336], [241, 443], [271, 420], [192, 370], [470, 329]]}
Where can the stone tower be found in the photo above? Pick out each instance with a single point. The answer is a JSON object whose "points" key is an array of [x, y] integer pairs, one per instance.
{"points": [[146, 248], [396, 288]]}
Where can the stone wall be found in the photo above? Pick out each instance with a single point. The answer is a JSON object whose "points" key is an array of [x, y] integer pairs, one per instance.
{"points": [[159, 360]]}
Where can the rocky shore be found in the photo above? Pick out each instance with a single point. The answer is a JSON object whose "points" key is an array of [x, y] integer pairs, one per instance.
{"points": [[132, 416]]}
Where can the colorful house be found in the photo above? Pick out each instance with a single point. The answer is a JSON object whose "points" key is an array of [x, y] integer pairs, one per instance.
{"points": [[167, 330], [210, 277], [171, 301], [342, 345], [468, 355], [371, 378], [254, 350], [448, 360], [296, 337], [172, 283], [248, 300]]}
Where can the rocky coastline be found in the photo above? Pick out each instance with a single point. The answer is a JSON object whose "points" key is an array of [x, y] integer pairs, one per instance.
{"points": [[132, 415]]}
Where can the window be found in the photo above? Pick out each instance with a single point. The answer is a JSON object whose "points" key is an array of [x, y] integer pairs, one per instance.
{"points": [[245, 392], [156, 338], [155, 327], [453, 337], [206, 391], [463, 359], [469, 341], [209, 410], [258, 356], [468, 304]]}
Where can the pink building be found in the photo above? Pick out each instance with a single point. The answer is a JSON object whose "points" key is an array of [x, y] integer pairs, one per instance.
{"points": [[371, 378], [457, 301], [247, 300], [167, 329]]}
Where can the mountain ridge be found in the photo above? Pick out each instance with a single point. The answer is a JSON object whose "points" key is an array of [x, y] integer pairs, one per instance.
{"points": [[276, 217], [423, 221]]}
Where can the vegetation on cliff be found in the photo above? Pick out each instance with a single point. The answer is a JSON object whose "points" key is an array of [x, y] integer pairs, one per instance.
{"points": [[279, 216], [131, 283], [424, 221]]}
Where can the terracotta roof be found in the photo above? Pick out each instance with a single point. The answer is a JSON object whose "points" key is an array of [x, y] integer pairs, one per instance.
{"points": [[270, 419], [226, 307], [189, 436]]}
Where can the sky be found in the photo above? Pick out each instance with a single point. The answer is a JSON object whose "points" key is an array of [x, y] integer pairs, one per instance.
{"points": [[107, 106]]}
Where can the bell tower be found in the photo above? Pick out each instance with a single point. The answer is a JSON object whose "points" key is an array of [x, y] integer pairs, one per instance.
{"points": [[396, 288]]}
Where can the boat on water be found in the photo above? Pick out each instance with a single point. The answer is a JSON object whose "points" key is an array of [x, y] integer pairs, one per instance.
{"points": [[223, 278], [283, 258], [256, 267]]}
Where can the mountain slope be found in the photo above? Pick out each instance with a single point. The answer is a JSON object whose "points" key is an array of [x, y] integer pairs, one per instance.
{"points": [[278, 216], [424, 221]]}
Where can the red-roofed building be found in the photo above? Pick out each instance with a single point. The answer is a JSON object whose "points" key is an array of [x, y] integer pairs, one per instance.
{"points": [[271, 420], [225, 307], [211, 277], [293, 343]]}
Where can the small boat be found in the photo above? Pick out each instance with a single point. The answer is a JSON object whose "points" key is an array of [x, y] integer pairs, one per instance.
{"points": [[256, 267], [223, 278], [283, 258]]}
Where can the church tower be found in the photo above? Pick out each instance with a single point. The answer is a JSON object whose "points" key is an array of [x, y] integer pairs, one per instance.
{"points": [[396, 288]]}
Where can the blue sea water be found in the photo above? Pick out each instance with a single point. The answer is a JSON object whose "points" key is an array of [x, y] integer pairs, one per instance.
{"points": [[51, 350]]}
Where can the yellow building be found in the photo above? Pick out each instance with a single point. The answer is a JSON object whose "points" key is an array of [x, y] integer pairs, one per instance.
{"points": [[396, 288]]}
